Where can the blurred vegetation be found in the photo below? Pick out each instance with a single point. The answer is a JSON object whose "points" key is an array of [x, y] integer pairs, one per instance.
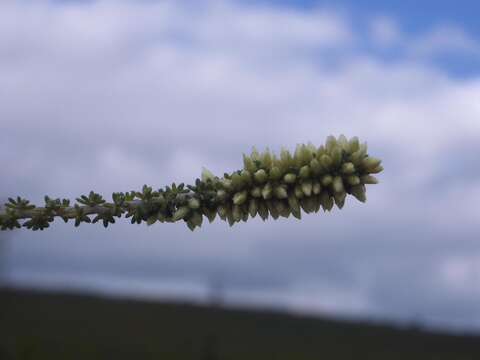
{"points": [[54, 326]]}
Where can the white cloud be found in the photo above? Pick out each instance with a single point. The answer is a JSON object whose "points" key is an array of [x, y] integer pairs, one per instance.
{"points": [[111, 95], [384, 31], [445, 39]]}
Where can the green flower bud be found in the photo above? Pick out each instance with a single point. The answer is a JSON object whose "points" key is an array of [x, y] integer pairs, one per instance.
{"points": [[376, 170], [331, 143], [196, 218], [227, 184], [237, 181], [282, 208], [308, 204], [359, 192], [336, 157], [298, 191], [272, 209], [237, 213], [290, 178], [240, 198], [353, 180], [222, 211], [286, 158], [261, 176], [326, 161], [263, 210], [248, 164], [193, 203], [343, 143], [370, 163], [316, 188], [253, 208], [267, 159], [181, 213], [246, 177], [316, 199], [221, 195], [210, 214], [307, 188], [244, 215], [256, 192], [281, 192], [267, 191], [348, 168], [339, 198], [326, 180], [354, 144], [275, 173], [293, 203], [326, 201], [207, 175], [294, 206], [368, 179], [315, 166], [304, 172], [337, 184]]}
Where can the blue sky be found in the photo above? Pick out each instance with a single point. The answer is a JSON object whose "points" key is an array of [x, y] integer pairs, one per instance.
{"points": [[109, 95]]}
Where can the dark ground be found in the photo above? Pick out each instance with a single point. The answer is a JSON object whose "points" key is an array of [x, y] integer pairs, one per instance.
{"points": [[35, 325]]}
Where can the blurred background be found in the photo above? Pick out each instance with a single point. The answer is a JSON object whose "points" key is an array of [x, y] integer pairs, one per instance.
{"points": [[111, 95]]}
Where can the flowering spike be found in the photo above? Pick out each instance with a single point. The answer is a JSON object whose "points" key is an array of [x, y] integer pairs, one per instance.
{"points": [[310, 179]]}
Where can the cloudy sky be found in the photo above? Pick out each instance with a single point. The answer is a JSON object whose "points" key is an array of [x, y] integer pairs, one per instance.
{"points": [[110, 95]]}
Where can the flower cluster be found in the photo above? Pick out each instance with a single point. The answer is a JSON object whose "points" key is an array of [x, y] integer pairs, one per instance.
{"points": [[310, 179]]}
